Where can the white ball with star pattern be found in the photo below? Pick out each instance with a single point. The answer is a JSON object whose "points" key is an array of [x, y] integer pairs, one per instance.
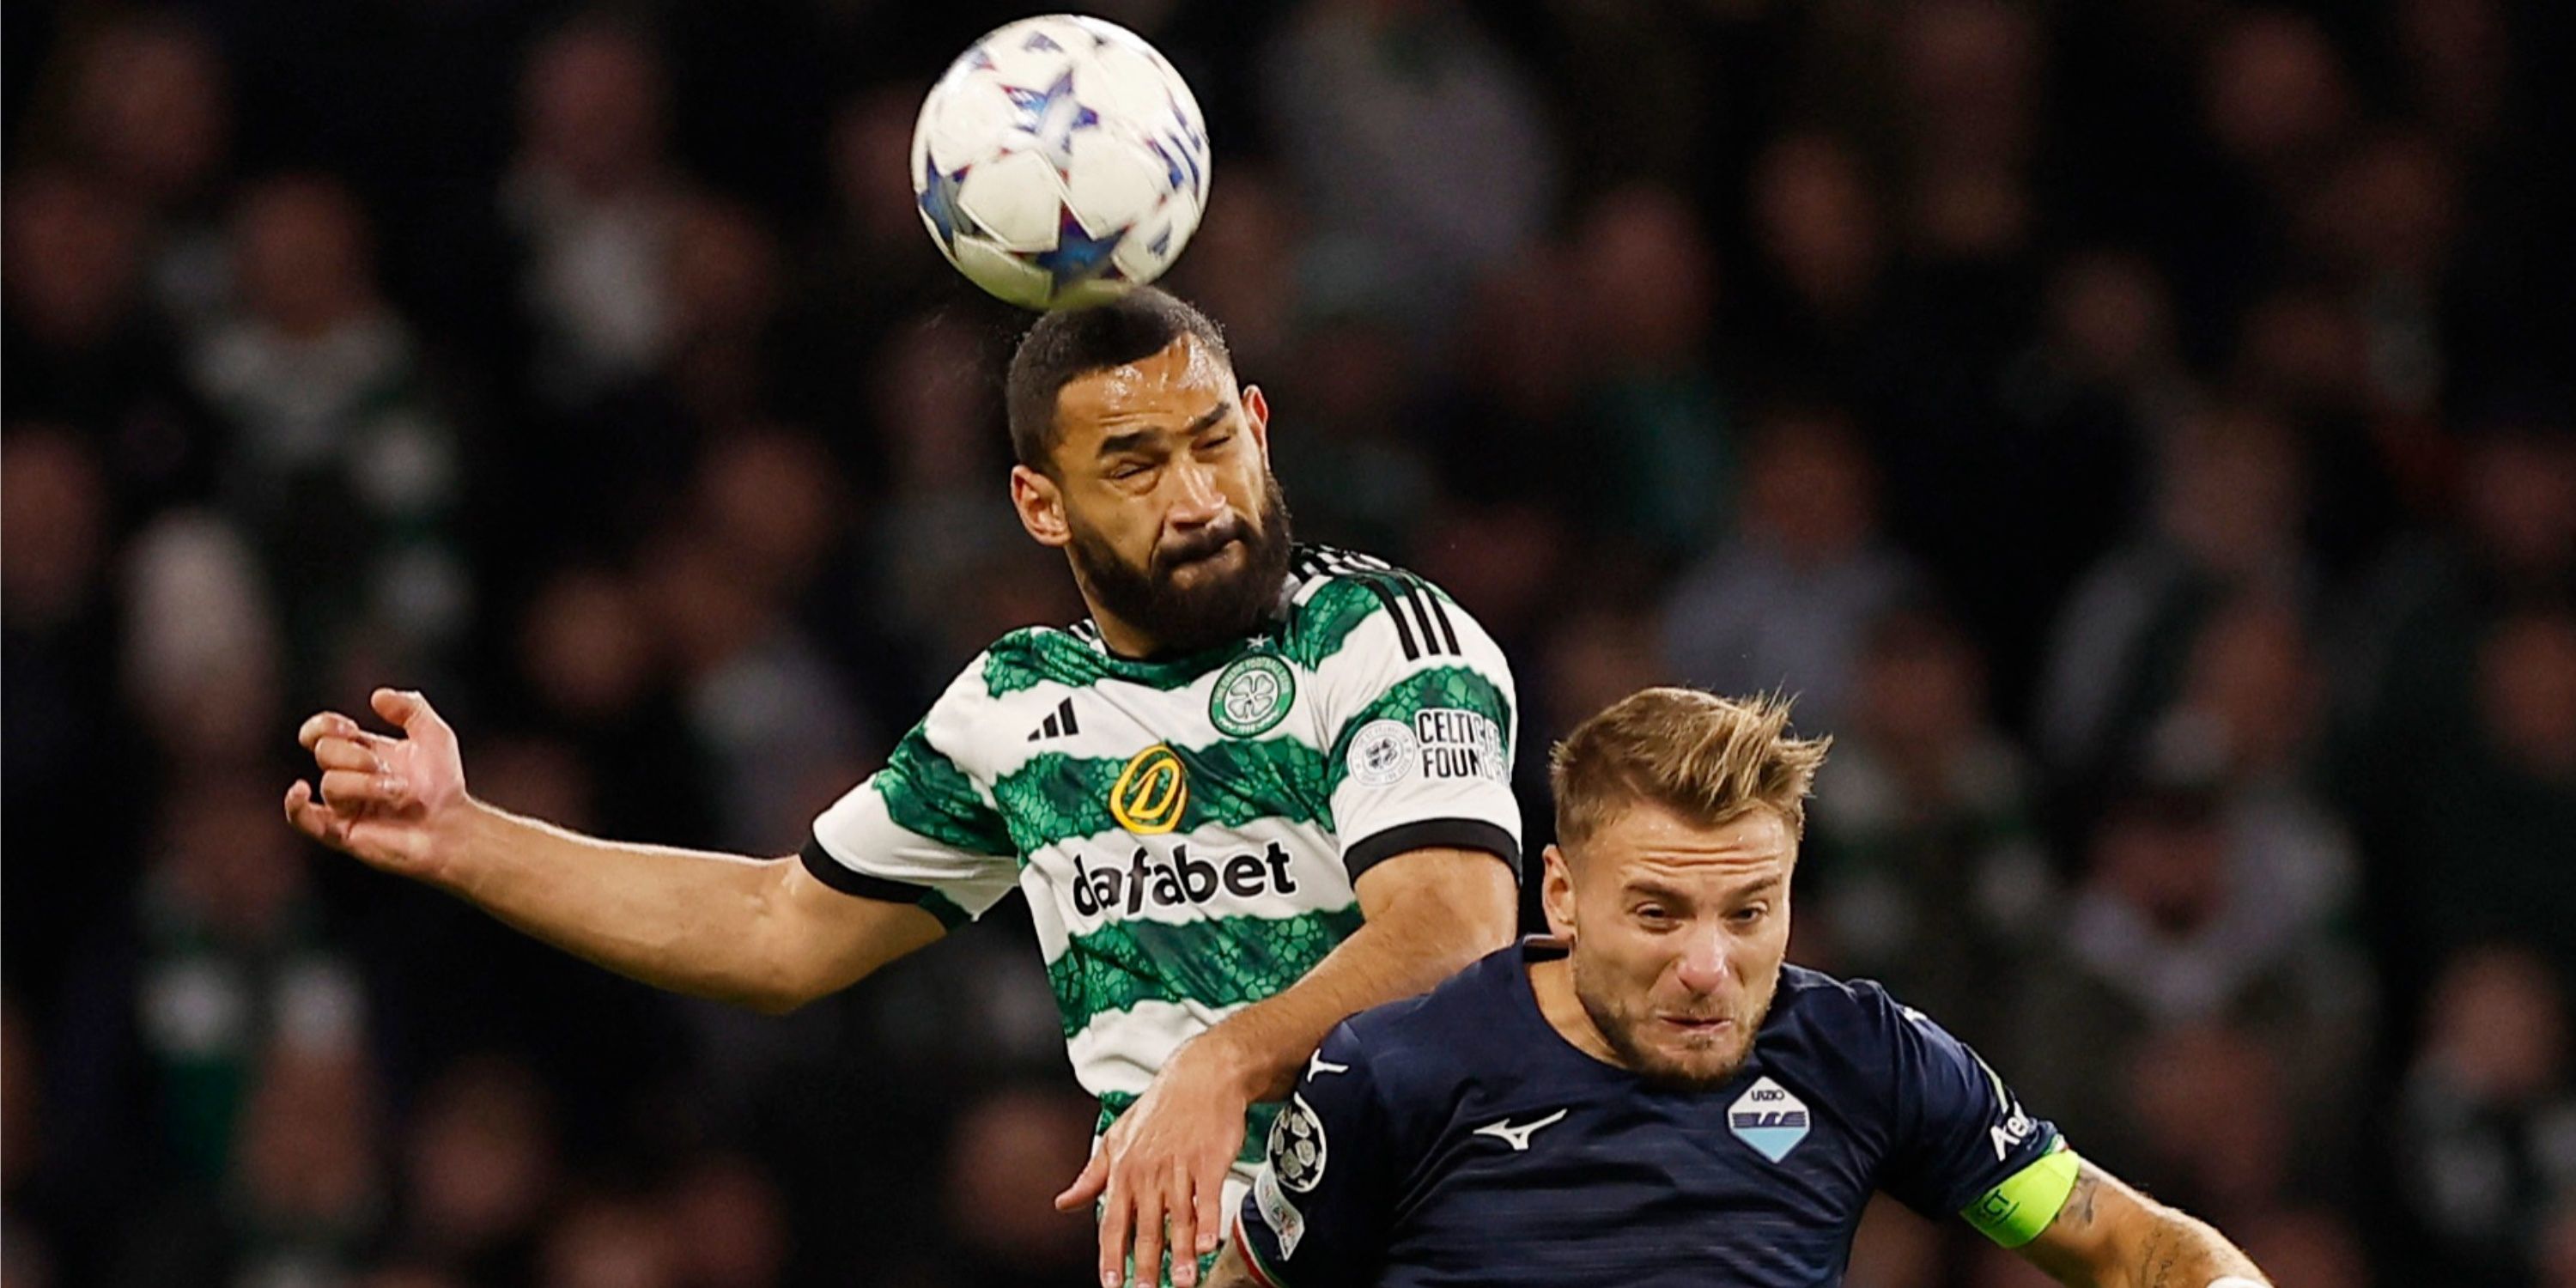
{"points": [[1060, 160]]}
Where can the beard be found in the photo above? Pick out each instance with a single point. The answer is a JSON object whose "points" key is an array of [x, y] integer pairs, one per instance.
{"points": [[1185, 619], [1659, 1066]]}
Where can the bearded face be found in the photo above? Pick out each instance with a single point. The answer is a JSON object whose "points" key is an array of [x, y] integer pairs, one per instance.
{"points": [[1199, 588]]}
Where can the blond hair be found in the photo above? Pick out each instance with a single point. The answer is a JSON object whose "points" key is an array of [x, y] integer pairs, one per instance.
{"points": [[1707, 758]]}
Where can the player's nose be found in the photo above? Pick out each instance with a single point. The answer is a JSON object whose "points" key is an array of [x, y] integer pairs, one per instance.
{"points": [[1703, 966], [1197, 501]]}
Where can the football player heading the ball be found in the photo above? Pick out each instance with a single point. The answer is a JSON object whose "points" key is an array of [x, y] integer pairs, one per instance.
{"points": [[1263, 787], [1656, 1099]]}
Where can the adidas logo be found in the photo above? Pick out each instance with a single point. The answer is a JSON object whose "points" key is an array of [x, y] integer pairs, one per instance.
{"points": [[1059, 724]]}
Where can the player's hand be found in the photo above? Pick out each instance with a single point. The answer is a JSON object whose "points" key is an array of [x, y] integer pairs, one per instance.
{"points": [[381, 798], [1162, 1166]]}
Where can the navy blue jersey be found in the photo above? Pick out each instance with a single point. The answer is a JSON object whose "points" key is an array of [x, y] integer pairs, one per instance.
{"points": [[1457, 1138]]}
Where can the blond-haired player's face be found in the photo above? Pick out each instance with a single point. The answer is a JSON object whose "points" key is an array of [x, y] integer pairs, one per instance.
{"points": [[1678, 930]]}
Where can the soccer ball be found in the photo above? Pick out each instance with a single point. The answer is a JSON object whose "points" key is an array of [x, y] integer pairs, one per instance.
{"points": [[1059, 161]]}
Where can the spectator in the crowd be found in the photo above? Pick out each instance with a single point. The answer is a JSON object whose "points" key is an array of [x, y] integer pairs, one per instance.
{"points": [[2225, 524], [872, 273], [80, 347], [2100, 384], [1234, 269], [2486, 1122], [307, 1201], [2159, 938], [1349, 443], [1657, 462], [933, 396], [1518, 418], [1821, 238], [1923, 853], [58, 666], [1356, 91], [479, 1172], [2249, 720], [1787, 602], [722, 278], [344, 472], [150, 116], [2212, 1121], [595, 200], [596, 678]]}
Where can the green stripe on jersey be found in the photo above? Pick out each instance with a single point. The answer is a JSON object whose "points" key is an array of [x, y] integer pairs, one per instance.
{"points": [[925, 793], [1256, 1123], [1035, 655], [1215, 962], [1056, 797], [1440, 686], [1327, 618]]}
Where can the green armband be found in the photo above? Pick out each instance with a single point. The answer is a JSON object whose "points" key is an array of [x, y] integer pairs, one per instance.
{"points": [[2014, 1212]]}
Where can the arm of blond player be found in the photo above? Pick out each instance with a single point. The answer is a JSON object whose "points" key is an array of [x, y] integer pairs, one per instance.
{"points": [[2108, 1235]]}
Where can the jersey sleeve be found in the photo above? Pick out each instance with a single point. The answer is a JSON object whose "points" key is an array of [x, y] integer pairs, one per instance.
{"points": [[1962, 1143], [1318, 1213], [1422, 719], [920, 831]]}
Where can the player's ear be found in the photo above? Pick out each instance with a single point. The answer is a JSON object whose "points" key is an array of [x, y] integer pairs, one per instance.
{"points": [[1040, 503], [1256, 418], [1556, 894]]}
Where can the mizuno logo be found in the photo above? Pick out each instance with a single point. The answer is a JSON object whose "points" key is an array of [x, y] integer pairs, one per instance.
{"points": [[1317, 1066], [1059, 724], [1517, 1137]]}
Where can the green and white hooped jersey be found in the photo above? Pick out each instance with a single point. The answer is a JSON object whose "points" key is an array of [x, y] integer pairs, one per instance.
{"points": [[1188, 830]]}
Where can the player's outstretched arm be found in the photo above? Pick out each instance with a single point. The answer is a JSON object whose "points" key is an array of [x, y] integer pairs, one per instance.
{"points": [[755, 932], [1428, 914], [2110, 1236]]}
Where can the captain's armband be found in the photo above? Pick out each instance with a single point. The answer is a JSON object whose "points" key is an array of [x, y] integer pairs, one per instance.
{"points": [[2015, 1212]]}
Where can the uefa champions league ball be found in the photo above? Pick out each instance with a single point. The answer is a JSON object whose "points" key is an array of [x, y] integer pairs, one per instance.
{"points": [[1059, 161]]}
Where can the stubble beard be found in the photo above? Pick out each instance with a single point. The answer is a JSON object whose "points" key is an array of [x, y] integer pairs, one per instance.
{"points": [[1656, 1065]]}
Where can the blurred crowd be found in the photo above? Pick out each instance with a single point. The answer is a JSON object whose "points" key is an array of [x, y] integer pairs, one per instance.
{"points": [[2141, 431]]}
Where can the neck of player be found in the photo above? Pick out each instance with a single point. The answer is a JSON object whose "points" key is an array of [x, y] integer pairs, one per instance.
{"points": [[1124, 640]]}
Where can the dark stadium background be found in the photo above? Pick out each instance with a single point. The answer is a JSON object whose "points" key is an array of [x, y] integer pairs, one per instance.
{"points": [[2140, 428]]}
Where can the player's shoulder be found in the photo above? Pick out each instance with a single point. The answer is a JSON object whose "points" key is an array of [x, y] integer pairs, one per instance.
{"points": [[1031, 656], [1337, 592], [1443, 1035], [1819, 1018]]}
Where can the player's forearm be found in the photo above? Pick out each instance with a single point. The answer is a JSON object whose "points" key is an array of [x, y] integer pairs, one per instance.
{"points": [[2178, 1250], [1406, 947], [685, 920], [2107, 1235]]}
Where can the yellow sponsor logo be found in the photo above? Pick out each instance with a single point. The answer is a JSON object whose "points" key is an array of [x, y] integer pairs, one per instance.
{"points": [[1150, 792]]}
